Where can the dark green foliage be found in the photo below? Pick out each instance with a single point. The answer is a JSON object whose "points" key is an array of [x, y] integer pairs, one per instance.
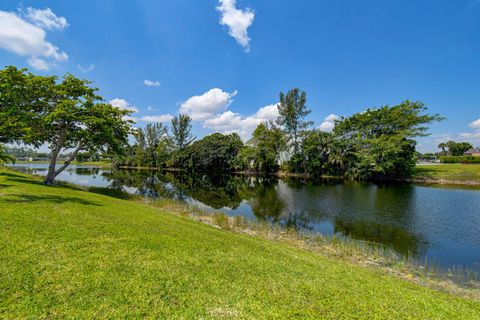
{"points": [[318, 148], [380, 141], [460, 159], [452, 148], [215, 152], [263, 152]]}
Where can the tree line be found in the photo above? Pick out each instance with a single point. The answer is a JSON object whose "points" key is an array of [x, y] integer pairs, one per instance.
{"points": [[68, 114], [378, 143]]}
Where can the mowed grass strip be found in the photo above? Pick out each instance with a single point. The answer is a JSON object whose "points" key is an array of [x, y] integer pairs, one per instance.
{"points": [[452, 172], [66, 253]]}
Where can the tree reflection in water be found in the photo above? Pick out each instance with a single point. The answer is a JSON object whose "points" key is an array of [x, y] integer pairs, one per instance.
{"points": [[355, 210]]}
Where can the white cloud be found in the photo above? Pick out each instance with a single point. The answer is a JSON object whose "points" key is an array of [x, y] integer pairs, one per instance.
{"points": [[46, 19], [471, 135], [229, 121], [474, 136], [38, 64], [238, 21], [208, 104], [475, 124], [86, 69], [123, 104], [328, 123], [25, 39], [157, 118], [150, 83]]}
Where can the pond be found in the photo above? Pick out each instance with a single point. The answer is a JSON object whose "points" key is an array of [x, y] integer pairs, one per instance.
{"points": [[441, 223]]}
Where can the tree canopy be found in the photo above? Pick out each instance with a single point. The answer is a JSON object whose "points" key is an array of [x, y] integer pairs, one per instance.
{"points": [[381, 141], [65, 114]]}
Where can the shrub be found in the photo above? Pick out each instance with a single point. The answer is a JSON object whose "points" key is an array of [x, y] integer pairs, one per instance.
{"points": [[460, 159]]}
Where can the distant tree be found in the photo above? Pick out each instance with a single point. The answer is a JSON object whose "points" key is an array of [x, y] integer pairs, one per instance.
{"points": [[268, 142], [457, 148], [318, 148], [181, 131], [293, 110], [216, 152], [152, 147], [381, 141], [443, 146], [157, 140]]}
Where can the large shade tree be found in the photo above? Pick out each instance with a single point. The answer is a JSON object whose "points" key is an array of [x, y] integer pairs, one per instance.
{"points": [[66, 114], [381, 141]]}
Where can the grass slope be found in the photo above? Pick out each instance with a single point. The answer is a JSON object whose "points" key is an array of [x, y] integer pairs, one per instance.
{"points": [[67, 253], [451, 172]]}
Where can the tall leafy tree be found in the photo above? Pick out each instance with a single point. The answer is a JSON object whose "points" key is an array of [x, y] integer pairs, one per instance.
{"points": [[380, 141], [318, 148], [156, 138], [292, 111], [65, 114], [216, 152], [268, 142], [23, 99], [455, 148], [182, 131]]}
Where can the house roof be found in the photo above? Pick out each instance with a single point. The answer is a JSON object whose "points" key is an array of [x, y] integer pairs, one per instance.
{"points": [[473, 151]]}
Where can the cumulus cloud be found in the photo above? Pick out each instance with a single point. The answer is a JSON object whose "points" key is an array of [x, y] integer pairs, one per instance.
{"points": [[229, 121], [46, 19], [208, 104], [237, 20], [38, 64], [150, 83], [157, 118], [123, 104], [475, 124], [26, 39], [328, 123], [473, 136]]}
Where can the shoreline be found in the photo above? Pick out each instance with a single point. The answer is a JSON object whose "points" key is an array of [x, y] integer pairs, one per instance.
{"points": [[416, 179]]}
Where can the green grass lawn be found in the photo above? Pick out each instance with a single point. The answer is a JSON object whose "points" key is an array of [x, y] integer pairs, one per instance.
{"points": [[457, 172], [66, 253]]}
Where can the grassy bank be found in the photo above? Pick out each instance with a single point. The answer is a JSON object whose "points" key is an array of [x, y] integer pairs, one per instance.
{"points": [[455, 173], [69, 253]]}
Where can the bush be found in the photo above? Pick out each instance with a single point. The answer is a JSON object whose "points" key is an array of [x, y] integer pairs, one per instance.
{"points": [[460, 159]]}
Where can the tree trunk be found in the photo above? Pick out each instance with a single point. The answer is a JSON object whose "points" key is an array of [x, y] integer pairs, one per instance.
{"points": [[67, 163], [53, 157], [52, 175]]}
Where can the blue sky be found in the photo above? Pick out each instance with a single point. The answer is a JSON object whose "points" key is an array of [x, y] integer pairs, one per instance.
{"points": [[226, 62]]}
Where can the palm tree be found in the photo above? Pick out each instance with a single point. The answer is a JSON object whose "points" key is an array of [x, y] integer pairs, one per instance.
{"points": [[443, 145]]}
